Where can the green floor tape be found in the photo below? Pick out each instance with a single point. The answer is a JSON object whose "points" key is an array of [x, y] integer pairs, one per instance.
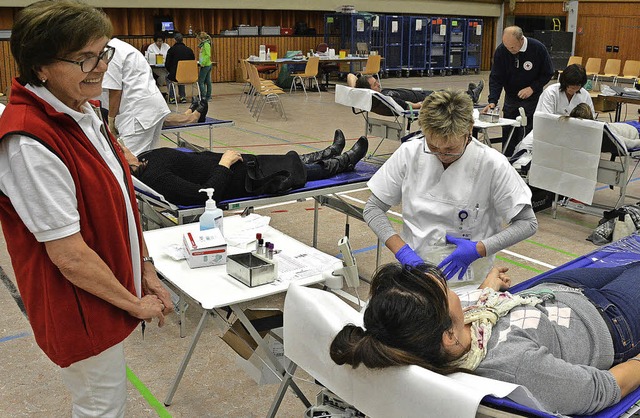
{"points": [[146, 394]]}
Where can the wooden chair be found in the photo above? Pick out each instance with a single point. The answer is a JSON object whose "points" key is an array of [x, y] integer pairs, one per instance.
{"points": [[593, 67], [186, 73], [630, 72], [372, 67], [263, 92], [611, 70], [310, 72], [574, 59]]}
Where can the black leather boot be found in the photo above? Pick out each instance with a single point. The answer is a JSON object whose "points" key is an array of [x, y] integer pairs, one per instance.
{"points": [[348, 160], [475, 90], [331, 151]]}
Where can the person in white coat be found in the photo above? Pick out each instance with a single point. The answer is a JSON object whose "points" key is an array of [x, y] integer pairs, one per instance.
{"points": [[159, 46], [557, 99], [137, 109], [453, 189], [561, 98]]}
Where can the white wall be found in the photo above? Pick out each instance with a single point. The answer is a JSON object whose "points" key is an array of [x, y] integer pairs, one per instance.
{"points": [[431, 7]]}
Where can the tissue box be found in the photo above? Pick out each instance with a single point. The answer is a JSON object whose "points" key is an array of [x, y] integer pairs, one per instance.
{"points": [[205, 248]]}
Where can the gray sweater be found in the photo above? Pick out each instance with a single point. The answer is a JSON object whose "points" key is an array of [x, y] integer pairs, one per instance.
{"points": [[560, 350]]}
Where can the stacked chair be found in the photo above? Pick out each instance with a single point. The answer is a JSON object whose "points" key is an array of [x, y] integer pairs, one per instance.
{"points": [[261, 92]]}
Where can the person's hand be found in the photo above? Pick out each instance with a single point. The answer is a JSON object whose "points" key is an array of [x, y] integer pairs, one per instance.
{"points": [[497, 279], [525, 93], [459, 260], [149, 307], [229, 158], [151, 285], [488, 107], [407, 257], [112, 126]]}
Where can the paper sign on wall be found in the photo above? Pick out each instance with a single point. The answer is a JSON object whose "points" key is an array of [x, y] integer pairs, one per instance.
{"points": [[394, 26], [443, 30], [418, 25], [376, 22], [360, 25]]}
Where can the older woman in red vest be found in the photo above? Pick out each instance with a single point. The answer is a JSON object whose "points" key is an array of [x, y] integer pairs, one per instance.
{"points": [[68, 209]]}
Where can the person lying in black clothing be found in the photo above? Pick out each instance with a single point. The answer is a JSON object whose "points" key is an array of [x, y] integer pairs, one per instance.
{"points": [[405, 98], [179, 175]]}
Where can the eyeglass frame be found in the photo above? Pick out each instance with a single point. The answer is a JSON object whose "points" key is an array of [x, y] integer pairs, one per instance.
{"points": [[101, 56], [446, 154]]}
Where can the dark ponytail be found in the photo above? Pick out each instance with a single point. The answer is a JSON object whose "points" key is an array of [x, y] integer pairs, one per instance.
{"points": [[405, 319]]}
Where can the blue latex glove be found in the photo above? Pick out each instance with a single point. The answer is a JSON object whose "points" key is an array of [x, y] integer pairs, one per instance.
{"points": [[459, 260], [407, 257]]}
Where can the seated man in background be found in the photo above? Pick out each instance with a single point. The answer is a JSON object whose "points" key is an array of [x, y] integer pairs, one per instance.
{"points": [[178, 52], [405, 98]]}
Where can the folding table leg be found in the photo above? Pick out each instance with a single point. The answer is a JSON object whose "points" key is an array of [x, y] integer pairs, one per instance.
{"points": [[185, 360]]}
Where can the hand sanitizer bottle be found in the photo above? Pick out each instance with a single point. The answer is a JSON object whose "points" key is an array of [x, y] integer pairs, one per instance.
{"points": [[212, 216]]}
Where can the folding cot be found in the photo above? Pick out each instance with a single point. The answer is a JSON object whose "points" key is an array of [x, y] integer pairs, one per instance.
{"points": [[312, 317], [172, 133], [170, 214]]}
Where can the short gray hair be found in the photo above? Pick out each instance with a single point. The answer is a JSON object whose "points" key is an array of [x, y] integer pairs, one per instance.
{"points": [[446, 114], [515, 31]]}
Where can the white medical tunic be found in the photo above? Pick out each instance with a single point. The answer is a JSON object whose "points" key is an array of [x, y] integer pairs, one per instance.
{"points": [[153, 49], [142, 106], [554, 101], [481, 185]]}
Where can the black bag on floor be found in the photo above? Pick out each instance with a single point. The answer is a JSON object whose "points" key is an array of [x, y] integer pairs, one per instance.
{"points": [[274, 174], [541, 199]]}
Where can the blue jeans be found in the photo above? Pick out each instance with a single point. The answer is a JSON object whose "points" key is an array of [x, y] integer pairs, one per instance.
{"points": [[204, 81], [615, 292]]}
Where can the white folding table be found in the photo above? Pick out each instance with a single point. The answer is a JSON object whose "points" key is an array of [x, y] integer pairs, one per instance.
{"points": [[212, 288]]}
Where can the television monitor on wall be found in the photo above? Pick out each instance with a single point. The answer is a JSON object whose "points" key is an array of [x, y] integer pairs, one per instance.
{"points": [[167, 26]]}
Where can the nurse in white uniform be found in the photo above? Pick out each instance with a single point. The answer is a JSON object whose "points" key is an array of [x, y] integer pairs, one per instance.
{"points": [[137, 108], [561, 98], [457, 195]]}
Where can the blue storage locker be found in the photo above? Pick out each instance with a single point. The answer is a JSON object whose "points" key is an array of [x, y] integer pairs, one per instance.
{"points": [[473, 49], [457, 44], [416, 43], [438, 46], [354, 31], [393, 43]]}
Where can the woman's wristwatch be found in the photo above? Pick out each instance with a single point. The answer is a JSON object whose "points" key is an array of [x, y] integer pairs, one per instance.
{"points": [[149, 259]]}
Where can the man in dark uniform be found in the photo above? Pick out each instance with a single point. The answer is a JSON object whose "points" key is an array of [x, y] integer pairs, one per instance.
{"points": [[522, 66], [178, 52]]}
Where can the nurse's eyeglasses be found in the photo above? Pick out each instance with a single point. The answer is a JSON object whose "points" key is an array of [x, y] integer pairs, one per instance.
{"points": [[89, 64], [447, 154]]}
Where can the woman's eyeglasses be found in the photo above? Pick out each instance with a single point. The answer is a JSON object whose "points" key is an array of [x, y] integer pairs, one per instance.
{"points": [[89, 64], [447, 154]]}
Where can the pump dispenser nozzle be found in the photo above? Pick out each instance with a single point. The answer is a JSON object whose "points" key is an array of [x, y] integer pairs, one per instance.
{"points": [[212, 216], [211, 204]]}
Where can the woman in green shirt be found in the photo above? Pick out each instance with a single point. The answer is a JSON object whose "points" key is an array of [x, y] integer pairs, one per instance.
{"points": [[204, 77]]}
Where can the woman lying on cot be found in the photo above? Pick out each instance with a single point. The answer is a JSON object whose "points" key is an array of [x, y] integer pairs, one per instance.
{"points": [[571, 339], [629, 134], [179, 175]]}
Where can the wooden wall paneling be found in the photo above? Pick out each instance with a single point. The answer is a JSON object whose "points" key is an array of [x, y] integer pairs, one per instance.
{"points": [[8, 67], [489, 29], [538, 8], [6, 17]]}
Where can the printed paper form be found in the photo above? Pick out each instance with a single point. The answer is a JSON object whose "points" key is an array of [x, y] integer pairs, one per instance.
{"points": [[298, 266]]}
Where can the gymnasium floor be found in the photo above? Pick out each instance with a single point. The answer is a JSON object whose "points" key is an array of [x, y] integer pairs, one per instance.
{"points": [[213, 384]]}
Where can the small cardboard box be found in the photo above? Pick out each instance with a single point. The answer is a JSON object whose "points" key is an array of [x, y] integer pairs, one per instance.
{"points": [[250, 355], [205, 248]]}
